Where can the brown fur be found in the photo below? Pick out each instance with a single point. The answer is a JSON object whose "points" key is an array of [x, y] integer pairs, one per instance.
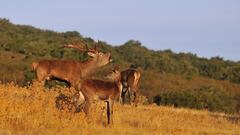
{"points": [[98, 90], [67, 70], [130, 80], [34, 65]]}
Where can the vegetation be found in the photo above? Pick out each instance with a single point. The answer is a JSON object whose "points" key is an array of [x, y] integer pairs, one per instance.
{"points": [[203, 98], [32, 111], [165, 75]]}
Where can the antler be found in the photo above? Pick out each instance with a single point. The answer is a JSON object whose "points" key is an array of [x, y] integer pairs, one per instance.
{"points": [[81, 48]]}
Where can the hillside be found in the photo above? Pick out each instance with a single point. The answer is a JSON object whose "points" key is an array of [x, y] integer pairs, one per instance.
{"points": [[166, 75], [32, 111]]}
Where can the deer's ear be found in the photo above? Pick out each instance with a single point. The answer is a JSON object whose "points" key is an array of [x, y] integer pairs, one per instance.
{"points": [[91, 54]]}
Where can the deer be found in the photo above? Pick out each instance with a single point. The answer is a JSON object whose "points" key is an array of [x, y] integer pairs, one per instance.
{"points": [[71, 71], [130, 81], [100, 90]]}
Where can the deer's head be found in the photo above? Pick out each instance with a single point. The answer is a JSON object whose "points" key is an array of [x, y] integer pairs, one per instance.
{"points": [[114, 74], [100, 58]]}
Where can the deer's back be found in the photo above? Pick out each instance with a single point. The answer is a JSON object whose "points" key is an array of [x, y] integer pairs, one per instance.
{"points": [[98, 89], [131, 77], [59, 68]]}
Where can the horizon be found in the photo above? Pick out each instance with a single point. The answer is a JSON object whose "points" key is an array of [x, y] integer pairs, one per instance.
{"points": [[207, 28]]}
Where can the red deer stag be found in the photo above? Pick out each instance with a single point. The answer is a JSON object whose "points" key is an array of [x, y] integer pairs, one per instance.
{"points": [[68, 70], [130, 81], [98, 90]]}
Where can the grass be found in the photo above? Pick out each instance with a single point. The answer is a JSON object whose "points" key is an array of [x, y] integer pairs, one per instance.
{"points": [[32, 111]]}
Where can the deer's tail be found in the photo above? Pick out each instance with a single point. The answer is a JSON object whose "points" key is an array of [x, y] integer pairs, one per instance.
{"points": [[34, 65], [137, 76]]}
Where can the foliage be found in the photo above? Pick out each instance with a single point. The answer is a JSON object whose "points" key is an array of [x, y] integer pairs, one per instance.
{"points": [[28, 77], [203, 98]]}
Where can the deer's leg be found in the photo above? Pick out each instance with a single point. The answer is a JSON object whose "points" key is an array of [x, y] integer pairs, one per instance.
{"points": [[42, 76], [135, 98], [74, 84], [78, 99], [108, 112], [123, 95], [86, 107], [111, 102], [120, 97], [129, 94]]}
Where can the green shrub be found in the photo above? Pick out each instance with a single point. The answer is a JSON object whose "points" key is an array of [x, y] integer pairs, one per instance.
{"points": [[57, 53], [29, 75], [203, 98]]}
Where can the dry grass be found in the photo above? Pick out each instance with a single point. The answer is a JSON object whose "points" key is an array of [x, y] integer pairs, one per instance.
{"points": [[32, 111]]}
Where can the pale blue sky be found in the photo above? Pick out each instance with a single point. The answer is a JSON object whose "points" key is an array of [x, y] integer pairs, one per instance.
{"points": [[205, 27]]}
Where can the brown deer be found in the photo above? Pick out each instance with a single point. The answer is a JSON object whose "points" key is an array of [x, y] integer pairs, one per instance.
{"points": [[98, 90], [68, 70], [130, 81]]}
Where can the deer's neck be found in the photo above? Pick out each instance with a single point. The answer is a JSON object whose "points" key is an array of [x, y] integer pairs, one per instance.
{"points": [[119, 83], [88, 67]]}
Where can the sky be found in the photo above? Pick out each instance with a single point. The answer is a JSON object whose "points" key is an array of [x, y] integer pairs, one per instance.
{"points": [[207, 28]]}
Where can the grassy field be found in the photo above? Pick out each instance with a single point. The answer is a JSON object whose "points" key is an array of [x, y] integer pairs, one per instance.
{"points": [[33, 111]]}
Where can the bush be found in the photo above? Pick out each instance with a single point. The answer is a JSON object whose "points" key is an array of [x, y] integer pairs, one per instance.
{"points": [[203, 98], [29, 75], [57, 53]]}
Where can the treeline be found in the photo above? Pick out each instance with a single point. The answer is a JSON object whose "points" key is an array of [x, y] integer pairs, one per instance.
{"points": [[47, 44], [162, 71], [185, 64]]}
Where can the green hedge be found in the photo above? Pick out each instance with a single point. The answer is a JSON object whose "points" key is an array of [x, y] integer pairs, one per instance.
{"points": [[202, 98]]}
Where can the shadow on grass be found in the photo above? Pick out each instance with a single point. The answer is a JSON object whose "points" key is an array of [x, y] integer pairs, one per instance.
{"points": [[66, 103], [235, 119]]}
